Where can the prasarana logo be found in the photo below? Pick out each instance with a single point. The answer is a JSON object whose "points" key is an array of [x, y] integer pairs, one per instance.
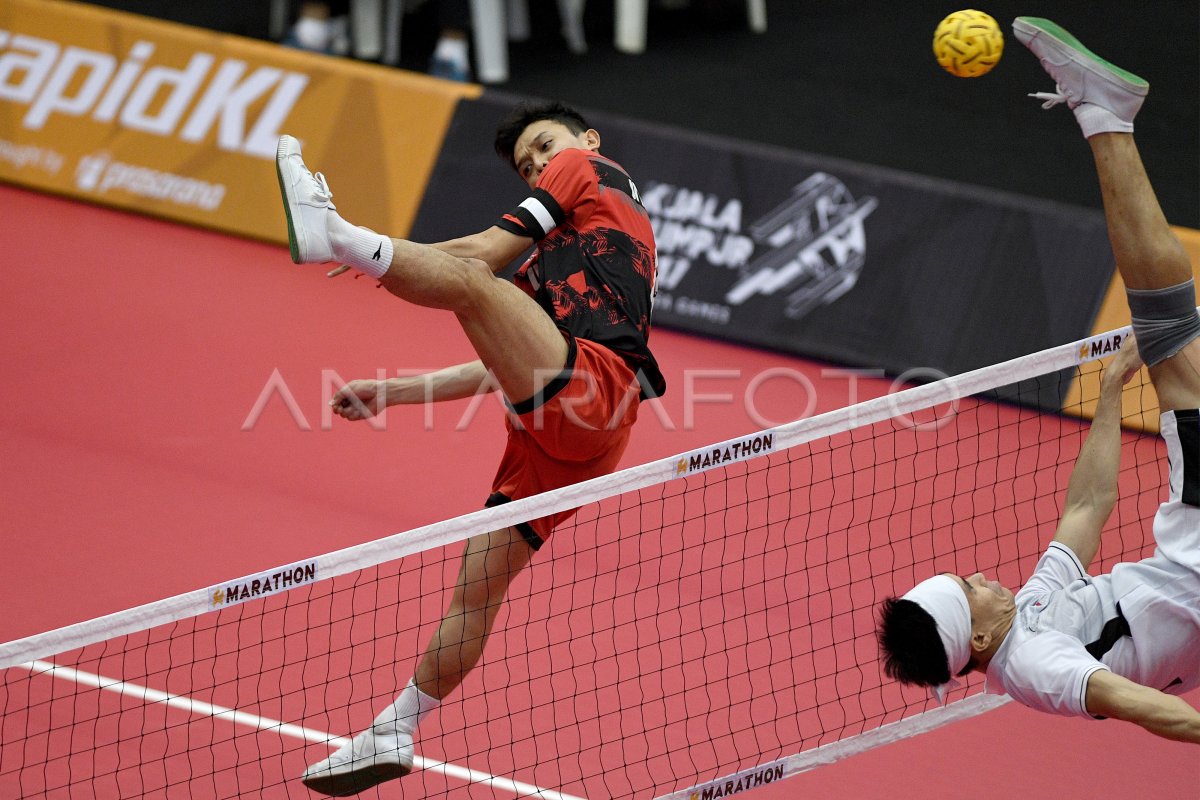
{"points": [[99, 173]]}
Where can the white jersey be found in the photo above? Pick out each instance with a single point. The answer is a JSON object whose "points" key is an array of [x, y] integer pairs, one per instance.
{"points": [[1142, 620]]}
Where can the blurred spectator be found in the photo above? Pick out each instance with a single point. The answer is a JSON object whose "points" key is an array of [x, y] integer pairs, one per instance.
{"points": [[316, 29], [451, 55]]}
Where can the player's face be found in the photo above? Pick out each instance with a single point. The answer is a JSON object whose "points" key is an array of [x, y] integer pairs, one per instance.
{"points": [[988, 600], [542, 141]]}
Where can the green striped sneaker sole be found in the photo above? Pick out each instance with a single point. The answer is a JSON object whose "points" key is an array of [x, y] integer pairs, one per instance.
{"points": [[287, 206], [1031, 25]]}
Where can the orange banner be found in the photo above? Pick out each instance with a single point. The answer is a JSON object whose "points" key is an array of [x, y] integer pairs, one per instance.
{"points": [[182, 123]]}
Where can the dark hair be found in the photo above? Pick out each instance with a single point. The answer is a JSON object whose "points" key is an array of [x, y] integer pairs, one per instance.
{"points": [[529, 112], [912, 650]]}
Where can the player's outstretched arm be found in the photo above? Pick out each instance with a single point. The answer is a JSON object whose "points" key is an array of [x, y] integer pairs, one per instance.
{"points": [[1110, 695], [366, 398], [1092, 492]]}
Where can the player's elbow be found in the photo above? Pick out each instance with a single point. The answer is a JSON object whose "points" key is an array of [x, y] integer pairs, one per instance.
{"points": [[1103, 501]]}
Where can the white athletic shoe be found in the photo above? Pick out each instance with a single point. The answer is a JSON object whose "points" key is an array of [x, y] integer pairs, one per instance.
{"points": [[307, 202], [368, 760], [1104, 97]]}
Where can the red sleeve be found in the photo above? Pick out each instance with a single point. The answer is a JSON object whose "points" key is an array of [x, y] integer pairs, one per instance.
{"points": [[571, 181], [566, 190]]}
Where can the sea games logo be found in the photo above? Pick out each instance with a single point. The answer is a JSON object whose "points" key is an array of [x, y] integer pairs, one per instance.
{"points": [[818, 246], [809, 250]]}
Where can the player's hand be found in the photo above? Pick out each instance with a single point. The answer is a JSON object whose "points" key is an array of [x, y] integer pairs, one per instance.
{"points": [[359, 399], [1125, 363], [333, 273]]}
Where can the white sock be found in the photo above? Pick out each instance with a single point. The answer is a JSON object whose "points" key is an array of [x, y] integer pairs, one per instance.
{"points": [[403, 715], [361, 248], [1094, 119]]}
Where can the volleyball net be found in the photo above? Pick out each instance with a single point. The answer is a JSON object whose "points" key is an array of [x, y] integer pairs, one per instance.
{"points": [[703, 626]]}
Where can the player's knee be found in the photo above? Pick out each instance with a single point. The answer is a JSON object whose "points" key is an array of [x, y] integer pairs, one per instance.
{"points": [[477, 279], [476, 271]]}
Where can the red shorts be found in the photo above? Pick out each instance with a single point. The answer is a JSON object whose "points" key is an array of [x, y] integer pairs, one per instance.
{"points": [[578, 431]]}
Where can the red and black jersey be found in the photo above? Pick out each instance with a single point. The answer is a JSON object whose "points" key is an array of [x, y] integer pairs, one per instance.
{"points": [[594, 269]]}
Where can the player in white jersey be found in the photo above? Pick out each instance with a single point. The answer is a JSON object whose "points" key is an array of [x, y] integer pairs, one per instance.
{"points": [[1119, 645]]}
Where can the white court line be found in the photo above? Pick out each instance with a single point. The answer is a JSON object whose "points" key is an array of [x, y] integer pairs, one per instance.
{"points": [[202, 709]]}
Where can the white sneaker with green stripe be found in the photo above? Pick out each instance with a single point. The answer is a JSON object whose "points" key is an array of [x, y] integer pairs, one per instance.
{"points": [[307, 203], [1104, 97]]}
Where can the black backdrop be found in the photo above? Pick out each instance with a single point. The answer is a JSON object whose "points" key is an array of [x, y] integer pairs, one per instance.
{"points": [[853, 80]]}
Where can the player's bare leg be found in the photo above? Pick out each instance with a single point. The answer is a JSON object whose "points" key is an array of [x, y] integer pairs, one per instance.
{"points": [[384, 751], [510, 332], [490, 563], [512, 335], [1151, 260], [1148, 254]]}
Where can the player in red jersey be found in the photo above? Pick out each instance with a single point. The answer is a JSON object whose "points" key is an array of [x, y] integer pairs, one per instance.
{"points": [[566, 341]]}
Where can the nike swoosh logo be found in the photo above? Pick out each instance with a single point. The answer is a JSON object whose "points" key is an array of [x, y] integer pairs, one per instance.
{"points": [[378, 250]]}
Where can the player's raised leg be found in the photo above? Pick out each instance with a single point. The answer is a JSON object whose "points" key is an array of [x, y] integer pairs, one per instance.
{"points": [[1151, 260], [1156, 271], [513, 336]]}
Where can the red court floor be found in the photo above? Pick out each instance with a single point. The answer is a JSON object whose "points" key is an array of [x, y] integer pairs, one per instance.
{"points": [[136, 465]]}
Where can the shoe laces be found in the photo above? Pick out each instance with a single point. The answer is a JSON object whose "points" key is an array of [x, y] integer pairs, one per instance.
{"points": [[349, 755], [1059, 95], [322, 192]]}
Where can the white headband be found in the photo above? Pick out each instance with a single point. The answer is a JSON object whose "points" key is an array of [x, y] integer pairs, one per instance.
{"points": [[944, 600]]}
